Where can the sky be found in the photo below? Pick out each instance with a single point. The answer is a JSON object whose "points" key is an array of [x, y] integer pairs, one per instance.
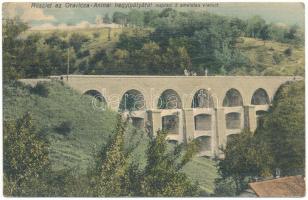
{"points": [[286, 13]]}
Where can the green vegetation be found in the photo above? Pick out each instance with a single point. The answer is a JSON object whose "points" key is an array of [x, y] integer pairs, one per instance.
{"points": [[25, 156], [88, 130], [278, 143], [53, 136], [284, 129], [153, 42], [75, 133]]}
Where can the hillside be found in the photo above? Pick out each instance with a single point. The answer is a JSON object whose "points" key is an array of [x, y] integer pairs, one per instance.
{"points": [[273, 58], [264, 58], [90, 129]]}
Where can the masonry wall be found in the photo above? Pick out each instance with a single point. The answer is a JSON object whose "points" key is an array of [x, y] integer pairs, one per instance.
{"points": [[151, 87]]}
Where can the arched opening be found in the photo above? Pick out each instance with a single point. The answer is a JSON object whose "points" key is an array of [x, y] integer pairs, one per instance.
{"points": [[203, 122], [260, 97], [260, 118], [170, 124], [98, 100], [173, 142], [137, 122], [204, 143], [169, 99], [132, 100], [233, 120], [202, 99], [233, 98]]}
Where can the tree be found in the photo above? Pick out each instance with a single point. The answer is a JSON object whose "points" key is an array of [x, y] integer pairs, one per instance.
{"points": [[265, 33], [284, 129], [106, 19], [254, 26], [150, 17], [245, 157], [119, 18], [12, 45], [162, 175], [111, 165], [136, 18], [25, 157]]}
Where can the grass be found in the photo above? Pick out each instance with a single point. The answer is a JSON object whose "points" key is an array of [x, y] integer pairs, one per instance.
{"points": [[90, 129], [262, 57], [204, 171]]}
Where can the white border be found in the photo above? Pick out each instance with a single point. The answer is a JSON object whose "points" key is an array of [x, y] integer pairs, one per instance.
{"points": [[158, 1]]}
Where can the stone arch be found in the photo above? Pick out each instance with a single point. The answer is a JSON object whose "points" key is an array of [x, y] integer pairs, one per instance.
{"points": [[260, 97], [233, 98], [132, 100], [96, 94], [202, 99], [203, 122], [169, 99], [204, 143], [173, 142], [233, 120], [98, 100]]}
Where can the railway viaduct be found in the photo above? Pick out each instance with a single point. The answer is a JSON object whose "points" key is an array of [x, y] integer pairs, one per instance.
{"points": [[208, 108]]}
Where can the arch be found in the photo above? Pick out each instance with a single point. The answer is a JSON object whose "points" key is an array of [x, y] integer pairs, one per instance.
{"points": [[169, 99], [98, 100], [170, 124], [132, 100], [233, 98], [202, 99], [204, 143], [96, 94], [173, 142], [260, 97], [203, 122], [233, 120]]}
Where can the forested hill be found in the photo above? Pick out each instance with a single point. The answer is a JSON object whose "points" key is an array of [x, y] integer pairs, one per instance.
{"points": [[160, 43]]}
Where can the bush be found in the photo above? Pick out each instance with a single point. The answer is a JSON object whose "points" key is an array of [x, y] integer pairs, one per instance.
{"points": [[82, 54], [96, 34], [288, 51], [40, 89], [277, 58], [225, 187], [65, 128]]}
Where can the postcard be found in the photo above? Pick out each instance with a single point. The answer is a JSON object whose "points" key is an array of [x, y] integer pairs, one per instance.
{"points": [[148, 99]]}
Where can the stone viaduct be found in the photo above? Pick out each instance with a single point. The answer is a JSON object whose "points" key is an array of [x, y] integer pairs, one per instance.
{"points": [[208, 108]]}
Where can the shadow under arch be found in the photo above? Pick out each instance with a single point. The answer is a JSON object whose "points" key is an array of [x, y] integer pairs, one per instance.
{"points": [[203, 122], [98, 101], [260, 114], [169, 99], [260, 97], [233, 98], [172, 142], [233, 120], [204, 143], [202, 99], [132, 100]]}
